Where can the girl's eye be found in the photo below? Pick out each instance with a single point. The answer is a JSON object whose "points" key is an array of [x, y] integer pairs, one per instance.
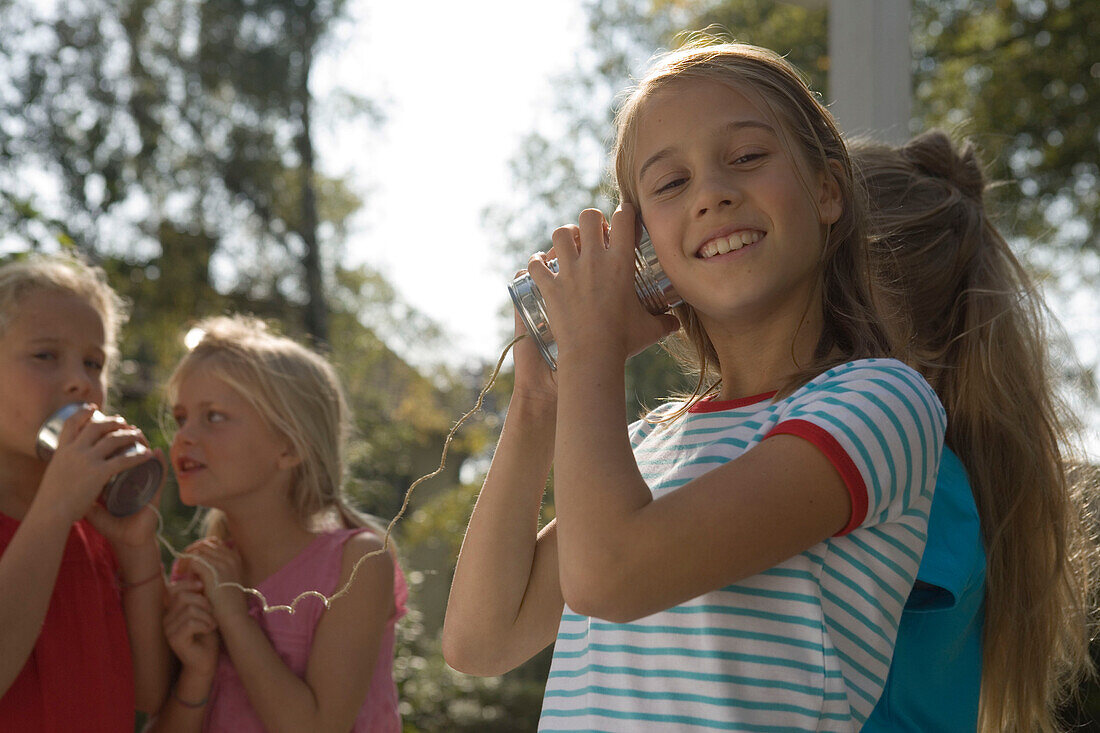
{"points": [[180, 420], [215, 416], [748, 158], [94, 365], [671, 185], [45, 356]]}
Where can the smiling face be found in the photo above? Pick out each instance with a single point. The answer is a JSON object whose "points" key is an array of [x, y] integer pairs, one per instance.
{"points": [[224, 454], [737, 221], [52, 352]]}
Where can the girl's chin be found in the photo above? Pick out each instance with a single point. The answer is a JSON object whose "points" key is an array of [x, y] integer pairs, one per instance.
{"points": [[190, 497]]}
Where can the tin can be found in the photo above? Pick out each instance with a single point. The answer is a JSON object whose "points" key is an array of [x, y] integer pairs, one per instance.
{"points": [[650, 284], [127, 491]]}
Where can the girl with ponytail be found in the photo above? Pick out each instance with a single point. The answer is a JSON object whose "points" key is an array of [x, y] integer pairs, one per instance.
{"points": [[996, 630]]}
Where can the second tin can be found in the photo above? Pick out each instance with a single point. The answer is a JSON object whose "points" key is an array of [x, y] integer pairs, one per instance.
{"points": [[650, 283]]}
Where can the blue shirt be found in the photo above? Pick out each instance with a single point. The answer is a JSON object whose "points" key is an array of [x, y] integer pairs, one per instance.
{"points": [[936, 673]]}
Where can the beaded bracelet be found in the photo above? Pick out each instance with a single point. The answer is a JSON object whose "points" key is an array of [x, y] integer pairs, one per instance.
{"points": [[192, 705], [124, 585]]}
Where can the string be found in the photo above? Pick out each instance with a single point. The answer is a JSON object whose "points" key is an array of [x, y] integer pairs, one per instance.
{"points": [[327, 600]]}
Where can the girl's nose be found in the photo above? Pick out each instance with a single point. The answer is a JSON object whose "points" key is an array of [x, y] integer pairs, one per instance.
{"points": [[183, 434], [715, 192], [80, 385]]}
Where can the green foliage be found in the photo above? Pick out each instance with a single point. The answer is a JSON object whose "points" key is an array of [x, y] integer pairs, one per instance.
{"points": [[434, 697], [163, 120], [1020, 76]]}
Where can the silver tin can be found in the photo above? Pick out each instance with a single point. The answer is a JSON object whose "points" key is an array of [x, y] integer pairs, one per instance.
{"points": [[650, 283], [128, 491]]}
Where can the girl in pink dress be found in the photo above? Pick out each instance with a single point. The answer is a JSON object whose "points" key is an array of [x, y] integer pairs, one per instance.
{"points": [[261, 426]]}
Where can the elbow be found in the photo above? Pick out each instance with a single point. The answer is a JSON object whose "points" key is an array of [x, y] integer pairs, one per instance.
{"points": [[470, 655], [596, 605], [600, 595], [456, 653]]}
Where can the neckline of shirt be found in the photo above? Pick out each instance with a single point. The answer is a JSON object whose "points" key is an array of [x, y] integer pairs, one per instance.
{"points": [[711, 405]]}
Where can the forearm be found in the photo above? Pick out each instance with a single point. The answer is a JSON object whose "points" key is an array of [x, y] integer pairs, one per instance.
{"points": [[184, 711], [282, 700], [493, 612], [28, 572], [142, 581], [598, 488]]}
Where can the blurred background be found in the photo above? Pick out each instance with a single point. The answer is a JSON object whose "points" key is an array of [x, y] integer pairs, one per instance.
{"points": [[370, 174]]}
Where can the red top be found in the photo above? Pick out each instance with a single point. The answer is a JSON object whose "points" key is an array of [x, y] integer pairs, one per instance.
{"points": [[79, 675]]}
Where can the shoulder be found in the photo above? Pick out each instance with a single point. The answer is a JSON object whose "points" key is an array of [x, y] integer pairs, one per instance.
{"points": [[881, 425], [365, 556], [364, 542], [869, 372], [880, 389]]}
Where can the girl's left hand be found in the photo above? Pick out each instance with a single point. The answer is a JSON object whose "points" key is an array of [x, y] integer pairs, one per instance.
{"points": [[591, 302], [135, 530], [217, 563]]}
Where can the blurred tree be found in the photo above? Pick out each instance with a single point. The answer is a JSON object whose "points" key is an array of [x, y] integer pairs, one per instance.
{"points": [[1023, 77], [131, 122]]}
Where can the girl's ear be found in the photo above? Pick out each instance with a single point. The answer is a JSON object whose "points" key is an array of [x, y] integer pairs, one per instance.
{"points": [[289, 458], [830, 202]]}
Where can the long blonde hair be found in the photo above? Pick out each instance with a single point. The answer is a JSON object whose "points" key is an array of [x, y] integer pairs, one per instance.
{"points": [[299, 396], [852, 328], [977, 334]]}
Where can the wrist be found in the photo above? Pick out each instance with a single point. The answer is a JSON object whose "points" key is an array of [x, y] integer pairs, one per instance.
{"points": [[532, 405], [192, 697], [594, 350], [154, 579], [137, 562], [594, 366], [231, 614]]}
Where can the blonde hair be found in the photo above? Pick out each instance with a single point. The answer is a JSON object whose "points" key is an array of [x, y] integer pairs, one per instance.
{"points": [[63, 274], [852, 327], [977, 335], [298, 395]]}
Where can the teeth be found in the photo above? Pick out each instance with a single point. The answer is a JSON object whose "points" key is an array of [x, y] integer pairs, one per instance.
{"points": [[732, 243]]}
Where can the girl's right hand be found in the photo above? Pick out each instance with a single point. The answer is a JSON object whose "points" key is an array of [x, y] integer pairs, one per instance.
{"points": [[86, 458], [190, 628], [218, 566]]}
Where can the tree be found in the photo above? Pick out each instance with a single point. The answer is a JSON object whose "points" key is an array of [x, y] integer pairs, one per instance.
{"points": [[154, 118], [1021, 77]]}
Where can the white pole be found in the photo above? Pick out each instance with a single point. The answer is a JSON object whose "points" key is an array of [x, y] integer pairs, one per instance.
{"points": [[869, 68]]}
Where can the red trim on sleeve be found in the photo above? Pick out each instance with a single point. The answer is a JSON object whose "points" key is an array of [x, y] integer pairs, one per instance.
{"points": [[827, 444]]}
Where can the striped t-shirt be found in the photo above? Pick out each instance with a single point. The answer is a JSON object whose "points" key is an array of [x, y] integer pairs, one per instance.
{"points": [[806, 645]]}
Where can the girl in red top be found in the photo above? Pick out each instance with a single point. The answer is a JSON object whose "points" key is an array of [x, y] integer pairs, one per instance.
{"points": [[81, 591]]}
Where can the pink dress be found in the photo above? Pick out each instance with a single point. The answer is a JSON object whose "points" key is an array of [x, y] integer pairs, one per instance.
{"points": [[315, 568]]}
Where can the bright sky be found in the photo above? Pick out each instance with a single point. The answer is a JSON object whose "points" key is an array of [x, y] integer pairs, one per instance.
{"points": [[460, 84]]}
